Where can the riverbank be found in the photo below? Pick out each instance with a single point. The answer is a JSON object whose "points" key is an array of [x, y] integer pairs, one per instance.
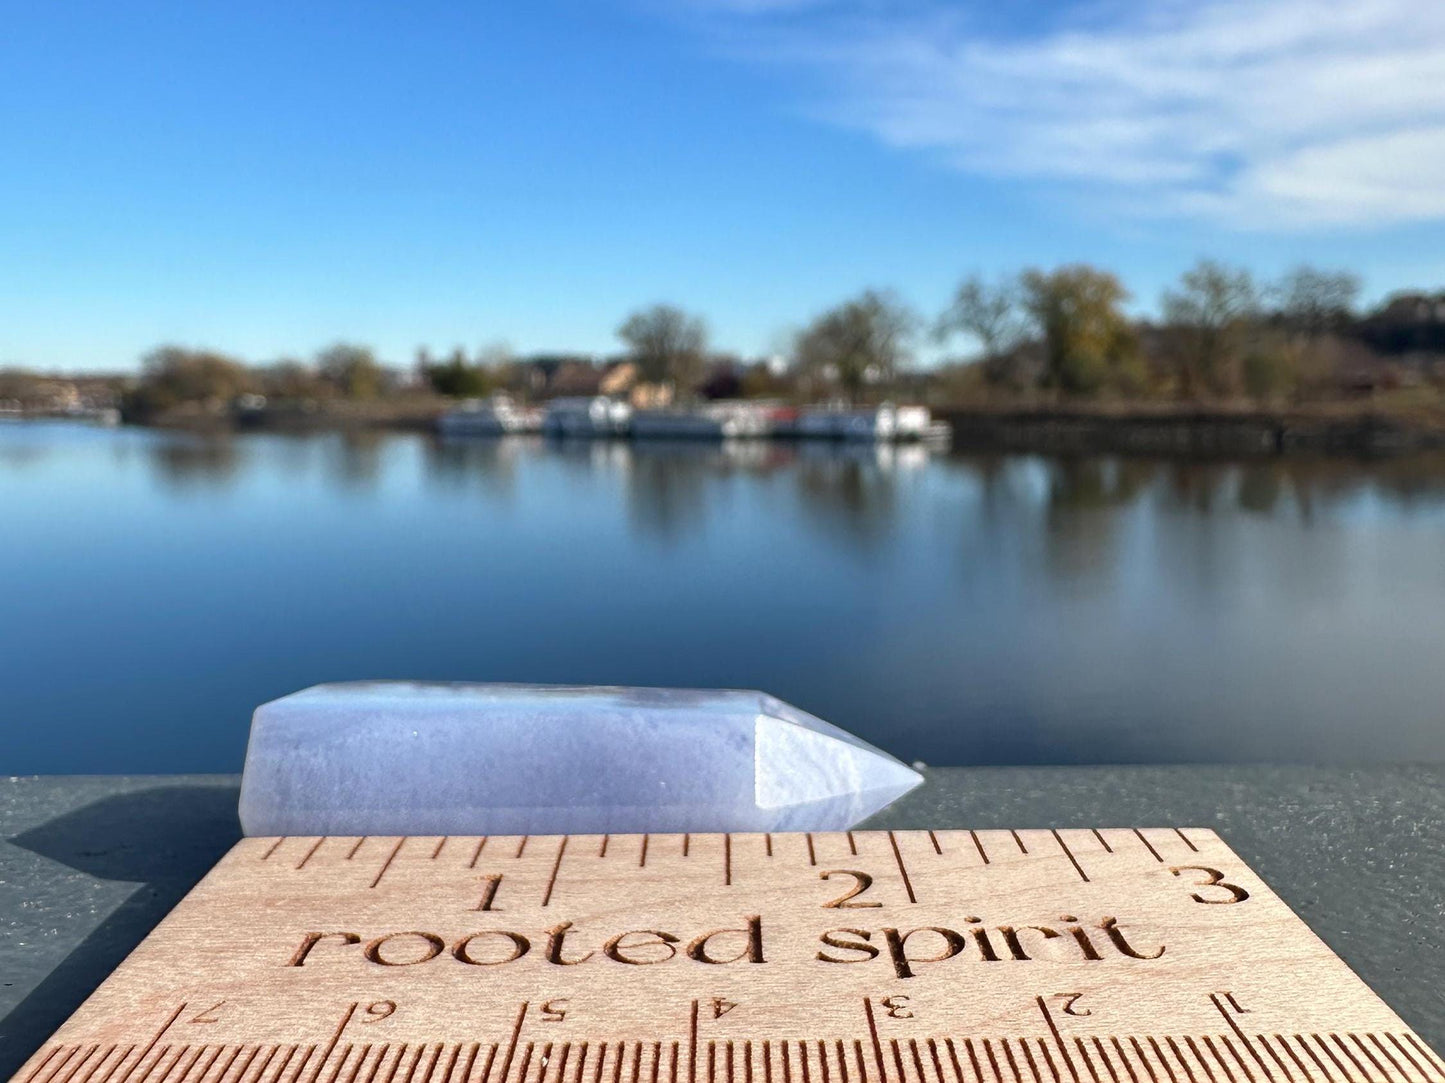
{"points": [[1074, 428], [1205, 431]]}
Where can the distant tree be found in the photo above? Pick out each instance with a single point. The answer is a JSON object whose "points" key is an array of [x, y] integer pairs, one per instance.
{"points": [[1211, 312], [667, 345], [290, 379], [987, 312], [1089, 343], [1313, 302], [173, 376], [863, 342], [456, 377], [352, 370]]}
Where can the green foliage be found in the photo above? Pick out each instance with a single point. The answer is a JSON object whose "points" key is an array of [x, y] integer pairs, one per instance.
{"points": [[456, 378], [352, 370], [1268, 372], [864, 342], [1088, 341], [173, 376]]}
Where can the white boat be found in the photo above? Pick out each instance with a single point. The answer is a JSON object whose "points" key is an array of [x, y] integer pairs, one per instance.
{"points": [[717, 421], [884, 423], [494, 416], [595, 415]]}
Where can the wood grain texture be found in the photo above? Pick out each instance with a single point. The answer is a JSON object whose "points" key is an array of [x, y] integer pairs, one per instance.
{"points": [[1073, 956]]}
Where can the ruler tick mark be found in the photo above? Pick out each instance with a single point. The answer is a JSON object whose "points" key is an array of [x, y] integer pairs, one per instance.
{"points": [[389, 858], [1102, 840], [245, 1064], [1143, 1059], [728, 872], [1008, 1054], [1049, 1060], [902, 869], [477, 853], [1350, 1056], [356, 846], [1088, 1061], [335, 1037], [642, 858], [1054, 1030], [556, 867], [1333, 1059], [768, 843], [314, 847], [1070, 855], [933, 838], [692, 1044], [487, 1068], [512, 1043], [1329, 1053], [1148, 845], [273, 848], [1405, 1053], [1186, 839], [1033, 1064], [1124, 1059], [1284, 1042], [522, 845], [438, 851], [978, 845], [151, 1045], [1369, 1056], [812, 854], [1268, 1048], [873, 1034], [1234, 1026], [602, 850], [1163, 1060]]}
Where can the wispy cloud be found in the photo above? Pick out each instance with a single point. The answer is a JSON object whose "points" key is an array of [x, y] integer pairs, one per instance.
{"points": [[1251, 113]]}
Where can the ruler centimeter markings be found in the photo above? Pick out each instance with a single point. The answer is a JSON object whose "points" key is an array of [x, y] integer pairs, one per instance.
{"points": [[1032, 956]]}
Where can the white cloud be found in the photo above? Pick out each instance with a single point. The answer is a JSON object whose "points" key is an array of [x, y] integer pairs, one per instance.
{"points": [[1253, 113]]}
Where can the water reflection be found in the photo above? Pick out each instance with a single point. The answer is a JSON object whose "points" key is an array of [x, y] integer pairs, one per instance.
{"points": [[952, 607], [183, 462]]}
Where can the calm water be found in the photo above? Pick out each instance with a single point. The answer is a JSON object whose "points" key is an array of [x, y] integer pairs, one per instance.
{"points": [[951, 608]]}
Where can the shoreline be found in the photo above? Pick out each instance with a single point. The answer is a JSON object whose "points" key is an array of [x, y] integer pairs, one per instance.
{"points": [[1164, 429]]}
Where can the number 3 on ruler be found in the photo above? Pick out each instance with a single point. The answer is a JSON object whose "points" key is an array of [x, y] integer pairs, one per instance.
{"points": [[1215, 879]]}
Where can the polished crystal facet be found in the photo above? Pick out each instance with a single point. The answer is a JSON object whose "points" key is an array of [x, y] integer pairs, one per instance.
{"points": [[393, 758]]}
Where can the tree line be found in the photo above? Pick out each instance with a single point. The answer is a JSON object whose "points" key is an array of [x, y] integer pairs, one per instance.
{"points": [[1221, 334]]}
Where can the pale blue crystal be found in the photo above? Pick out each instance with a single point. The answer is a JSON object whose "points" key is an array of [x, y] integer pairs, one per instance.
{"points": [[396, 758]]}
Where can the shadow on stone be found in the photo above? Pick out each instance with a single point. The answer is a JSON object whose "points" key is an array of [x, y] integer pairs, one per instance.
{"points": [[162, 839]]}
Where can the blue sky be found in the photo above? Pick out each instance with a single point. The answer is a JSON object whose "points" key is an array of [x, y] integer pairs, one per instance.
{"points": [[271, 177]]}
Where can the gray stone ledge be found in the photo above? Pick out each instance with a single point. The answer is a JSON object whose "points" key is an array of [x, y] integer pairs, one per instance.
{"points": [[88, 865]]}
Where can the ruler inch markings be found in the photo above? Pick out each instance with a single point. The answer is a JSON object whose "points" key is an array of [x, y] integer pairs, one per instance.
{"points": [[1157, 967]]}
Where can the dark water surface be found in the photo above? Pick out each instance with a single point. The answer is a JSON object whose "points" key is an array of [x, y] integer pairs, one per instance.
{"points": [[951, 608]]}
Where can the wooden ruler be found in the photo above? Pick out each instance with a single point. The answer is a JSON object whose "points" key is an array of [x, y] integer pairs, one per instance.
{"points": [[1080, 956]]}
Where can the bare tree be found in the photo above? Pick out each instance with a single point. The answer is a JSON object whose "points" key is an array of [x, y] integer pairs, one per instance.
{"points": [[987, 312], [1314, 301], [667, 344], [1211, 311], [860, 343]]}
